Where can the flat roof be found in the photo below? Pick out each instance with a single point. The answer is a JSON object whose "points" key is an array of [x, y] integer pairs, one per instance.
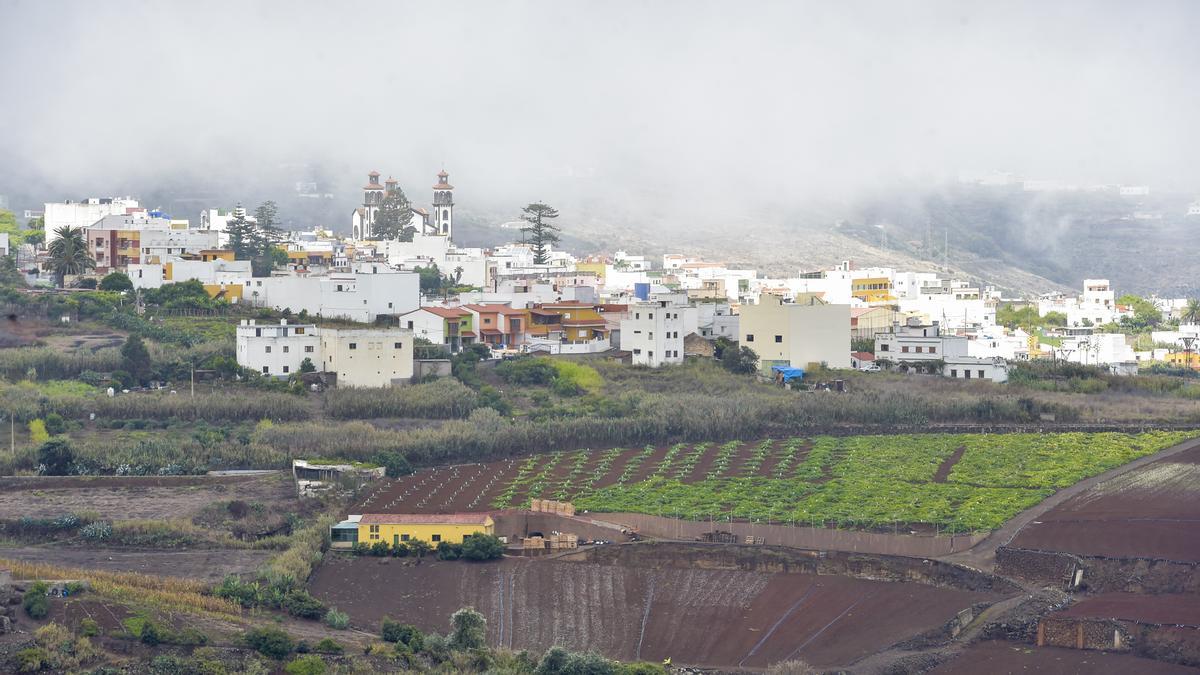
{"points": [[425, 519]]}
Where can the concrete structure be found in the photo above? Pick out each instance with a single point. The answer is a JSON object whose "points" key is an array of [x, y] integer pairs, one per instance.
{"points": [[970, 367], [785, 333], [367, 357], [277, 350], [915, 342], [865, 322], [83, 213], [653, 333], [450, 326]]}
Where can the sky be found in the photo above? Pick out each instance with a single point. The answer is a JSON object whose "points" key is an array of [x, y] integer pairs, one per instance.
{"points": [[675, 105]]}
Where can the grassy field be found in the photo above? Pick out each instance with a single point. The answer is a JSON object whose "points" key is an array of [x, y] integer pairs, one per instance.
{"points": [[957, 482]]}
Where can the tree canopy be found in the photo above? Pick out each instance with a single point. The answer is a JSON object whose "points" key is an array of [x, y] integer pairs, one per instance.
{"points": [[116, 281], [69, 254], [541, 231], [394, 219]]}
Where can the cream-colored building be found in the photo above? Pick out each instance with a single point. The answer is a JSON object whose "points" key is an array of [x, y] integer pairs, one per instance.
{"points": [[368, 357], [785, 333]]}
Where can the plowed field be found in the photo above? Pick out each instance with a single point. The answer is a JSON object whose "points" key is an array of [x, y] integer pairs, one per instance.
{"points": [[715, 617], [1151, 512]]}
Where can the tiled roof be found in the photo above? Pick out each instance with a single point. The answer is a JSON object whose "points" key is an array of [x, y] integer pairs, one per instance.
{"points": [[446, 312], [863, 356], [424, 518]]}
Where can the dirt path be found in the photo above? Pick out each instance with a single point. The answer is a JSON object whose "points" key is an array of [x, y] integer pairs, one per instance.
{"points": [[982, 556], [947, 465]]}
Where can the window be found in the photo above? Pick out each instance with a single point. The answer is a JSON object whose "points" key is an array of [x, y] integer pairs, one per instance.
{"points": [[953, 372], [410, 325], [637, 315], [339, 287], [353, 345], [651, 335], [883, 347], [268, 349], [285, 368], [436, 537], [257, 332], [487, 321], [932, 350], [308, 349], [637, 351], [299, 330], [649, 315], [904, 349], [749, 338], [398, 345], [981, 374], [285, 349], [650, 355], [919, 348], [779, 338], [389, 305], [967, 374], [266, 369], [404, 537]]}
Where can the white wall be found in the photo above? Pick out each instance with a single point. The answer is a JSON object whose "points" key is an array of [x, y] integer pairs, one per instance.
{"points": [[368, 357], [276, 349], [653, 332]]}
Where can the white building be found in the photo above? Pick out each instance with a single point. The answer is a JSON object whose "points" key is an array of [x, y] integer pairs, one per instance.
{"points": [[653, 333], [371, 290], [785, 333], [159, 244], [83, 213], [970, 367], [370, 357], [438, 221], [174, 269], [1194, 208], [915, 342], [277, 350]]}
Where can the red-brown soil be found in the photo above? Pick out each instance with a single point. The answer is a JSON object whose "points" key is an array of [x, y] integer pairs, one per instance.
{"points": [[947, 465], [1005, 658], [128, 498], [715, 617], [208, 565], [1179, 610], [1150, 512]]}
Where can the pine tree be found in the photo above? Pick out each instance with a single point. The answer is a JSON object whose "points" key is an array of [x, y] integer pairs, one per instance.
{"points": [[541, 233], [243, 236], [394, 218]]}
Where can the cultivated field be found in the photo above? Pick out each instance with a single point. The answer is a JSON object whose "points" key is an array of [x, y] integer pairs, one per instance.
{"points": [[953, 482], [1151, 512], [695, 615]]}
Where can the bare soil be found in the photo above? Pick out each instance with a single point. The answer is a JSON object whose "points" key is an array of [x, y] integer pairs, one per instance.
{"points": [[1180, 610], [698, 616], [209, 565], [947, 465], [133, 498], [1004, 658]]}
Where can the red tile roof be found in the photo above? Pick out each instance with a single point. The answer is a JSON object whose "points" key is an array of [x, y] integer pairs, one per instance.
{"points": [[447, 312], [863, 356], [424, 518]]}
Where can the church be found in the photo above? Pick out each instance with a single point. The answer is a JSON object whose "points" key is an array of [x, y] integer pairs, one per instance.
{"points": [[436, 222]]}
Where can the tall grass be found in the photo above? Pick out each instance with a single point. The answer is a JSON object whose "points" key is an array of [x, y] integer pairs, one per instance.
{"points": [[304, 551], [55, 364], [440, 399], [218, 406], [168, 593]]}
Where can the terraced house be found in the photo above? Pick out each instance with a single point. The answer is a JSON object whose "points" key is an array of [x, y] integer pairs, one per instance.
{"points": [[401, 528]]}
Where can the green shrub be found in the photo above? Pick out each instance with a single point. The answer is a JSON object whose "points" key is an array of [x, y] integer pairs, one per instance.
{"points": [[32, 660], [89, 628], [480, 546], [402, 633], [34, 601], [527, 371], [328, 646], [448, 551], [38, 432], [302, 604], [380, 548], [269, 641], [440, 399], [336, 619], [55, 424], [150, 633], [306, 665]]}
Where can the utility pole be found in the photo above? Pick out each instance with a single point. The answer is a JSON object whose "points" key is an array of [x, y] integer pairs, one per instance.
{"points": [[193, 371]]}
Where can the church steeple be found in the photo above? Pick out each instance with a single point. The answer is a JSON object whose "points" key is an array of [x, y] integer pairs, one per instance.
{"points": [[443, 205]]}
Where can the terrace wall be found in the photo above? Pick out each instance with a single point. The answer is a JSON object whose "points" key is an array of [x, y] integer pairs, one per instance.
{"points": [[922, 546], [1100, 574], [1082, 634], [773, 559], [521, 523]]}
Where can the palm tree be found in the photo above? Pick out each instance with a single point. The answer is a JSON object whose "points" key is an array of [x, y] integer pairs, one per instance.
{"points": [[69, 254], [1191, 313]]}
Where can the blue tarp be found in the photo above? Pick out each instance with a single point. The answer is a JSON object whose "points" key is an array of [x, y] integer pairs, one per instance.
{"points": [[789, 373]]}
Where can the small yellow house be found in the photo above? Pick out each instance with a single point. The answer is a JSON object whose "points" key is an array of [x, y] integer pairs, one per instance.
{"points": [[395, 528]]}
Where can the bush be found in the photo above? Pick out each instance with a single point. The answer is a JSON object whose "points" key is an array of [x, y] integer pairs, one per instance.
{"points": [[32, 660], [34, 601], [55, 424], [469, 629], [55, 457], [395, 464], [380, 548], [336, 619], [302, 604], [403, 634], [38, 432], [448, 551], [306, 665], [89, 628], [150, 634], [268, 641], [117, 282], [97, 531], [328, 646], [527, 371], [480, 546]]}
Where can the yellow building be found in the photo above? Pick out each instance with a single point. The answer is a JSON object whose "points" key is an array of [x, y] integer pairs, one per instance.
{"points": [[872, 289], [598, 267], [1184, 359], [395, 528]]}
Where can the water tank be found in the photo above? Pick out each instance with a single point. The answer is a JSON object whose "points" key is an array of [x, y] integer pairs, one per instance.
{"points": [[641, 290]]}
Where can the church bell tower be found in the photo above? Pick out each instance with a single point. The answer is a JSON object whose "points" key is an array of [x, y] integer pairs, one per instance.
{"points": [[443, 205]]}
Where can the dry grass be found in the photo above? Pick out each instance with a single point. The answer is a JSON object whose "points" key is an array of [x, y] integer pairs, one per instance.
{"points": [[166, 593]]}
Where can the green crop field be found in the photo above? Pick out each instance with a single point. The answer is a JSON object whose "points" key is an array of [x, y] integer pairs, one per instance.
{"points": [[957, 482]]}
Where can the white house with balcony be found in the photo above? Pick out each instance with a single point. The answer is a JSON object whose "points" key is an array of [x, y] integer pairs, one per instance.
{"points": [[914, 342], [653, 333], [371, 290], [370, 357]]}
